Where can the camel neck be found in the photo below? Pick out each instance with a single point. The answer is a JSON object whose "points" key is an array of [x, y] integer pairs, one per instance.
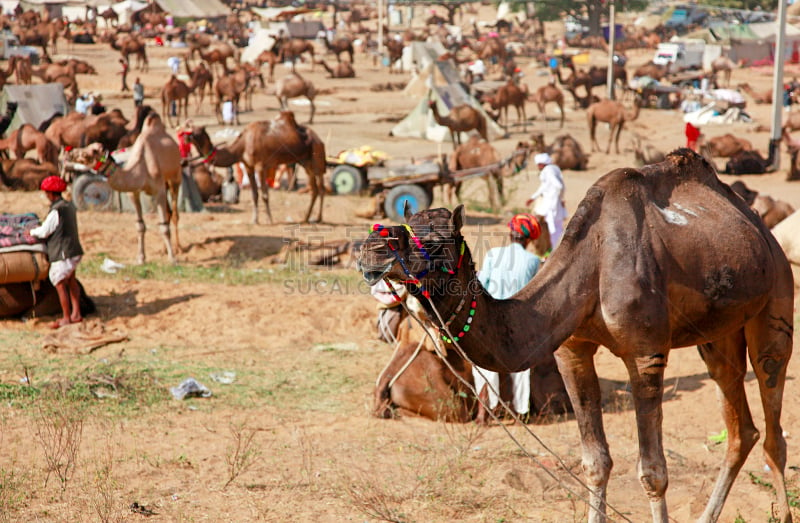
{"points": [[515, 334], [227, 155]]}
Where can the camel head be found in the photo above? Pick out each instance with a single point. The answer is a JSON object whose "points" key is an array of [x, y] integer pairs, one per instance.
{"points": [[427, 253]]}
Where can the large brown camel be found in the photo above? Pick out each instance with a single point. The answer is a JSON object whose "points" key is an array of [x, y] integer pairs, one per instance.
{"points": [[340, 70], [176, 91], [268, 57], [262, 147], [475, 153], [27, 137], [626, 276], [292, 49], [153, 168], [338, 46], [293, 85], [725, 65], [508, 95], [461, 119], [79, 130], [727, 145], [50, 72], [762, 97], [614, 114], [549, 94], [565, 151], [229, 88]]}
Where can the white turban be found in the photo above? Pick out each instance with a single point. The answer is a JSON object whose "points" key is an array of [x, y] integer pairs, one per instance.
{"points": [[542, 159]]}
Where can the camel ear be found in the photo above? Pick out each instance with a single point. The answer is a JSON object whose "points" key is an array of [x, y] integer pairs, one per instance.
{"points": [[407, 214], [458, 218]]}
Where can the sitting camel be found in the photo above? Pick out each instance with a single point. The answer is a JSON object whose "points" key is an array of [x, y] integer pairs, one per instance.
{"points": [[727, 145], [461, 119], [645, 152], [771, 211], [565, 151], [262, 147], [341, 70], [27, 137], [292, 86], [615, 115], [417, 382], [25, 174], [626, 276], [763, 97], [153, 168]]}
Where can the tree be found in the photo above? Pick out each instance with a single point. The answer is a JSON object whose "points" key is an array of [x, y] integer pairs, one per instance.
{"points": [[592, 10]]}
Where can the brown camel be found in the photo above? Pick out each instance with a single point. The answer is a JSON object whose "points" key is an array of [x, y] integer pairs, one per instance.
{"points": [[771, 211], [576, 79], [725, 65], [475, 153], [547, 94], [230, 88], [645, 152], [341, 70], [293, 85], [291, 50], [507, 95], [110, 17], [127, 45], [50, 72], [23, 69], [461, 119], [763, 97], [262, 147], [153, 168], [653, 70], [727, 145], [79, 130], [176, 91], [27, 137], [582, 102], [10, 69], [613, 113], [565, 151], [25, 174], [203, 81], [791, 121], [338, 46], [268, 57], [417, 382], [626, 276], [217, 53], [394, 48]]}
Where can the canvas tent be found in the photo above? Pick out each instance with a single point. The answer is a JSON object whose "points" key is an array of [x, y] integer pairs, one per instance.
{"points": [[262, 40], [439, 81], [36, 103], [749, 42], [194, 8]]}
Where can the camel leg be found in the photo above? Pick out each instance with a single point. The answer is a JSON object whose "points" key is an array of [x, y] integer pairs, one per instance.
{"points": [[313, 110], [769, 341], [611, 138], [266, 176], [647, 385], [561, 108], [576, 364], [727, 366], [616, 138], [163, 224], [251, 175], [140, 226], [174, 189], [521, 109], [592, 135]]}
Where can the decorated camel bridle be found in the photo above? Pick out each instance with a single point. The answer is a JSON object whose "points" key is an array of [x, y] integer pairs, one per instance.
{"points": [[414, 279]]}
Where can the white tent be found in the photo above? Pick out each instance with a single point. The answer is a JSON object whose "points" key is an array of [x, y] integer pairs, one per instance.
{"points": [[36, 103], [262, 40], [126, 9]]}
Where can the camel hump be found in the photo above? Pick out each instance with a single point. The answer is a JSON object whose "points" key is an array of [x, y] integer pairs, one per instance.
{"points": [[683, 164]]}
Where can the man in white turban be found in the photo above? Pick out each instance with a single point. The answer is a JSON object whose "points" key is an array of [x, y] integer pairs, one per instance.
{"points": [[549, 197]]}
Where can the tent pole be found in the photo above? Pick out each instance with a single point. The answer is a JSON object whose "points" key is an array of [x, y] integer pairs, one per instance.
{"points": [[380, 31], [777, 87], [611, 33]]}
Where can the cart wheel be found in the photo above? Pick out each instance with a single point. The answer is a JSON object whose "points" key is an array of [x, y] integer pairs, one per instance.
{"points": [[92, 192], [347, 179], [397, 197]]}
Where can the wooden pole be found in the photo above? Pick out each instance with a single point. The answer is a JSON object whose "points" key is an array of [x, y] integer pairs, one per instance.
{"points": [[777, 87], [611, 34]]}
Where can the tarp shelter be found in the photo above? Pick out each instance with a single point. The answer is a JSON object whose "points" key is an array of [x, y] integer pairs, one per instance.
{"points": [[749, 42], [36, 103], [270, 14], [306, 29], [126, 9], [262, 40], [194, 9], [441, 83]]}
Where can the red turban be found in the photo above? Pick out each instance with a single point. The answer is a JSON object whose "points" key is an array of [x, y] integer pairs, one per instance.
{"points": [[525, 225], [53, 184]]}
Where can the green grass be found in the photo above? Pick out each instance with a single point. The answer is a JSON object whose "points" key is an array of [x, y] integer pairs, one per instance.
{"points": [[229, 273]]}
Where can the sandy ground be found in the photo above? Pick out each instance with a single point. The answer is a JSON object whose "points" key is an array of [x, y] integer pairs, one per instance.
{"points": [[305, 360]]}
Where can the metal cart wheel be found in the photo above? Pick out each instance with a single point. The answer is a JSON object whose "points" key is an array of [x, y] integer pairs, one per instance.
{"points": [[347, 179], [92, 192], [416, 197]]}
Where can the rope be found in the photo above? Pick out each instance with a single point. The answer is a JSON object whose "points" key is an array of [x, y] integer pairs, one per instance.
{"points": [[516, 418]]}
